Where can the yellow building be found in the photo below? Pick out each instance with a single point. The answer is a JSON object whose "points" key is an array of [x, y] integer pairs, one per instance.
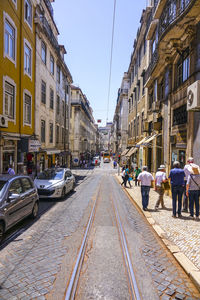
{"points": [[17, 80]]}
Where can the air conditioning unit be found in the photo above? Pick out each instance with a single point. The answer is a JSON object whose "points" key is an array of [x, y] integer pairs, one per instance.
{"points": [[3, 121], [193, 96]]}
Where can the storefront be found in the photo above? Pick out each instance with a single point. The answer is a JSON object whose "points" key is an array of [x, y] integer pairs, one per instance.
{"points": [[178, 148], [8, 152]]}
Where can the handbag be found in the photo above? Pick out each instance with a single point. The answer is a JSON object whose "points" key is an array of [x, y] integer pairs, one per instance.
{"points": [[166, 185]]}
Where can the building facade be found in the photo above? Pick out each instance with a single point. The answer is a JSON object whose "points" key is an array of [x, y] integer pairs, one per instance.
{"points": [[83, 132], [17, 80], [173, 68]]}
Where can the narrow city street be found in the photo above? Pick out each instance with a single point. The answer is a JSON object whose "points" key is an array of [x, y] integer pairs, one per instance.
{"points": [[39, 261]]}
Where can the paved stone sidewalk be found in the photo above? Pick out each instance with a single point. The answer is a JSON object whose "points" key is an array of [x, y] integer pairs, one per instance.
{"points": [[181, 236]]}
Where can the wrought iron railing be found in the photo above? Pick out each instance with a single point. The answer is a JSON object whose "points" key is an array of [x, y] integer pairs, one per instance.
{"points": [[49, 6], [152, 64], [49, 32]]}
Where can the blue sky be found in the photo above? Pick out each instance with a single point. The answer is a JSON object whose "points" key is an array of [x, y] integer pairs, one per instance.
{"points": [[85, 28]]}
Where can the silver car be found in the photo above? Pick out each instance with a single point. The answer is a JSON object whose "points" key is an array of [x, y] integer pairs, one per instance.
{"points": [[18, 199], [55, 183]]}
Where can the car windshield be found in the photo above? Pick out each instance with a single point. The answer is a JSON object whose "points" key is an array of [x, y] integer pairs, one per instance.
{"points": [[51, 174], [2, 184]]}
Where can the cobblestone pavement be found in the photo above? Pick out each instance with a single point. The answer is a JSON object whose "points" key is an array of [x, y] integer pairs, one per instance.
{"points": [[29, 265], [183, 232]]}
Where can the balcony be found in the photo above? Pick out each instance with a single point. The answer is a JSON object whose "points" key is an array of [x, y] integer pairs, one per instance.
{"points": [[124, 91], [49, 6], [48, 31], [152, 64]]}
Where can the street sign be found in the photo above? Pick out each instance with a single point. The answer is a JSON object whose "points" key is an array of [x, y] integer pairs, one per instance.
{"points": [[33, 145]]}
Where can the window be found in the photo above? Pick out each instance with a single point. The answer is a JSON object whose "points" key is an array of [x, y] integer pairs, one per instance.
{"points": [[28, 12], [58, 105], [51, 98], [51, 133], [58, 74], [44, 53], [51, 64], [27, 109], [63, 108], [43, 131], [138, 121], [9, 100], [183, 67], [155, 97], [27, 59], [142, 122], [166, 83], [43, 92], [26, 184], [9, 40], [57, 134], [180, 115], [63, 135], [15, 187]]}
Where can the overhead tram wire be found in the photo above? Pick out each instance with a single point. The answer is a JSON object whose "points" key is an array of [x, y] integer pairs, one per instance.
{"points": [[111, 55]]}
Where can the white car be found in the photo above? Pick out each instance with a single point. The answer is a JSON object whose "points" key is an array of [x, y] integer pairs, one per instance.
{"points": [[54, 183]]}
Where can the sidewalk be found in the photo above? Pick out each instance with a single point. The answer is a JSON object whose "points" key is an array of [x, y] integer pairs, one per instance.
{"points": [[181, 236]]}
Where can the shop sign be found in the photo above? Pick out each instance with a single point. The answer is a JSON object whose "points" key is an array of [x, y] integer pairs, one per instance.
{"points": [[33, 145], [181, 139]]}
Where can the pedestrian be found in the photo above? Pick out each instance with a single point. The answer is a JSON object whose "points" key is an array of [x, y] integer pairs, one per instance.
{"points": [[193, 191], [146, 179], [126, 175], [10, 170], [129, 180], [176, 176], [160, 178], [123, 177], [187, 171], [137, 171]]}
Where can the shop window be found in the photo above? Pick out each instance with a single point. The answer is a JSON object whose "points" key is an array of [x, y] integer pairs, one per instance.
{"points": [[9, 40], [43, 125], [9, 100], [44, 53], [27, 109], [27, 59], [180, 115], [43, 92], [51, 98], [28, 12]]}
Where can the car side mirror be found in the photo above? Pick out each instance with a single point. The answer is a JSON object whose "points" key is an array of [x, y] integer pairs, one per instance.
{"points": [[12, 197]]}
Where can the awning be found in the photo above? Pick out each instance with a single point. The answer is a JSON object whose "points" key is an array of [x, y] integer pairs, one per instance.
{"points": [[141, 142], [124, 152], [151, 138], [131, 151], [52, 151]]}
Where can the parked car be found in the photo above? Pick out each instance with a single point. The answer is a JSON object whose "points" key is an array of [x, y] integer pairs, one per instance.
{"points": [[18, 199], [55, 183]]}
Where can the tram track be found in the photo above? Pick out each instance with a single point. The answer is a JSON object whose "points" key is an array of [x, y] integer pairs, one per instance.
{"points": [[72, 287]]}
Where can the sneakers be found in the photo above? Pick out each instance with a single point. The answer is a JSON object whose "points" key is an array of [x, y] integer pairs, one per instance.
{"points": [[173, 216], [156, 208], [179, 216]]}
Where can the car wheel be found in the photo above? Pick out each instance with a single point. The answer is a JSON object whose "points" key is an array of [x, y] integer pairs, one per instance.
{"points": [[73, 187], [1, 231], [35, 210], [63, 192]]}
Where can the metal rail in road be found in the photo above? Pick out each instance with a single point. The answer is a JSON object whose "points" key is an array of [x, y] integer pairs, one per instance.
{"points": [[71, 289], [132, 280]]}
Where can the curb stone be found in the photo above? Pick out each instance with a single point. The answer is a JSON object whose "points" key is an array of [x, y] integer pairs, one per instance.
{"points": [[191, 270]]}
